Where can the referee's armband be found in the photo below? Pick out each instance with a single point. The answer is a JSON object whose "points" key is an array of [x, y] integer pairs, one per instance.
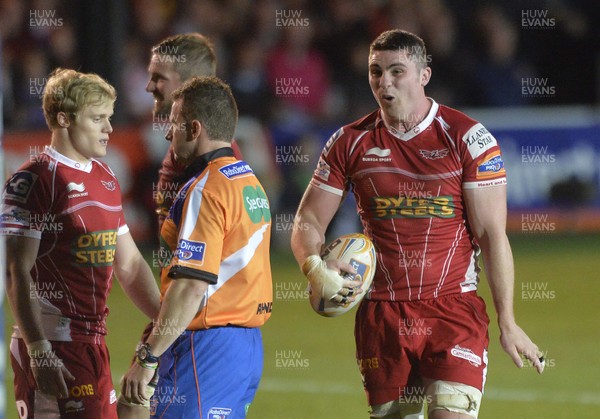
{"points": [[177, 272]]}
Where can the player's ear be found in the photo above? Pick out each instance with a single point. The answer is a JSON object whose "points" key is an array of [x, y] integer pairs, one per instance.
{"points": [[63, 120], [425, 76], [196, 129]]}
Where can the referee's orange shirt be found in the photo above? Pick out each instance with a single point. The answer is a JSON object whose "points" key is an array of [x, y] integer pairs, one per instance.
{"points": [[218, 230]]}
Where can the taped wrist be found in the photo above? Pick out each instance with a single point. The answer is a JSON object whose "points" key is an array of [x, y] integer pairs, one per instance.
{"points": [[322, 279]]}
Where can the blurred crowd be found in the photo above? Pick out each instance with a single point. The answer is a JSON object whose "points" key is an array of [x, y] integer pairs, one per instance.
{"points": [[298, 68]]}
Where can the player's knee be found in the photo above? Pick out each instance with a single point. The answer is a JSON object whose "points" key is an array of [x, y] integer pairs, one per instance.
{"points": [[397, 410], [453, 397]]}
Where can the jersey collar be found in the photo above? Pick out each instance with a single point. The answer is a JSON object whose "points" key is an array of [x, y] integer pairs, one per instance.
{"points": [[409, 135], [61, 158], [200, 163]]}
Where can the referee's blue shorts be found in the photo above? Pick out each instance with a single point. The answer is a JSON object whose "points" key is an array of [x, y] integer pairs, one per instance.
{"points": [[209, 374]]}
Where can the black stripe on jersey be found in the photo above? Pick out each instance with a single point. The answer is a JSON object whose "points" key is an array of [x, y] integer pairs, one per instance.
{"points": [[177, 272]]}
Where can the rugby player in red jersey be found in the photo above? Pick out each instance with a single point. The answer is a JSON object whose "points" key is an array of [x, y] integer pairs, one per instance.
{"points": [[430, 186], [65, 237], [174, 60]]}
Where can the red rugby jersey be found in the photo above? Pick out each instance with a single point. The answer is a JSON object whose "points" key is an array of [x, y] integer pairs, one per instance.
{"points": [[408, 188], [75, 211]]}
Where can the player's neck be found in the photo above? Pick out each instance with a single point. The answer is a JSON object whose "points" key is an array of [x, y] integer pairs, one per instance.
{"points": [[211, 145], [62, 144], [410, 118]]}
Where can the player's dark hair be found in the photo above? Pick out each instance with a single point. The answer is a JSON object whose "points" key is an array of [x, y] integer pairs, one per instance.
{"points": [[397, 40], [210, 101], [192, 54]]}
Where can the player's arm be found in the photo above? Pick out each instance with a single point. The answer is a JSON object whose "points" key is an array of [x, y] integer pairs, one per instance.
{"points": [[486, 209], [21, 253], [179, 306], [314, 214], [136, 277]]}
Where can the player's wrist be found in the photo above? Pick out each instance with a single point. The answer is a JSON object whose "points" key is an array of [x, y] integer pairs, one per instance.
{"points": [[309, 263], [39, 349], [506, 322], [145, 357], [327, 281], [147, 365]]}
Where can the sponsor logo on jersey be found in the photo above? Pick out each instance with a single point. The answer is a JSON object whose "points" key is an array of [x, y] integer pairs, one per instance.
{"points": [[466, 353], [218, 412], [256, 204], [83, 390], [266, 307], [434, 154], [405, 207], [491, 166], [376, 151], [336, 136], [323, 170], [96, 249], [74, 406], [188, 250], [236, 170], [381, 154], [479, 140], [112, 397], [110, 185], [13, 216], [78, 187], [19, 186]]}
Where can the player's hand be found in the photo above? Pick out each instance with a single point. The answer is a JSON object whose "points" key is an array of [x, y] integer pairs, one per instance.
{"points": [[327, 278], [134, 385], [50, 374], [516, 343]]}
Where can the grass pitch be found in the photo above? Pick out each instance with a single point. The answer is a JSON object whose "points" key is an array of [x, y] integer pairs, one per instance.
{"points": [[309, 366]]}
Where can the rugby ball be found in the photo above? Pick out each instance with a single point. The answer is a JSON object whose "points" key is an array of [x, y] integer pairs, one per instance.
{"points": [[357, 250]]}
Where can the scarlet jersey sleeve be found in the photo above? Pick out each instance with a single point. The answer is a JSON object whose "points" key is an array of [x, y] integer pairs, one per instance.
{"points": [[199, 244], [330, 172], [482, 160], [25, 203]]}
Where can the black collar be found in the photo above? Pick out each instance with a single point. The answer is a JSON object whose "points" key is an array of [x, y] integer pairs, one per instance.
{"points": [[200, 163]]}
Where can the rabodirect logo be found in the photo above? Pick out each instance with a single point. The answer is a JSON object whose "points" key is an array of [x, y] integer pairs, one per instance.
{"points": [[191, 250]]}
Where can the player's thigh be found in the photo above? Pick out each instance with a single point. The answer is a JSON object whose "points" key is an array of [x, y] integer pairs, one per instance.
{"points": [[209, 372], [24, 382], [457, 344], [91, 394], [382, 352]]}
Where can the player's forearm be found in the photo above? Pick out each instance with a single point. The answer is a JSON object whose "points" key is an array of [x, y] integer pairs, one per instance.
{"points": [[20, 291], [307, 237], [180, 305], [140, 286], [498, 260]]}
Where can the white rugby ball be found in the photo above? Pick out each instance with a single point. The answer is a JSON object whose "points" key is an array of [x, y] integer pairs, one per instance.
{"points": [[357, 250]]}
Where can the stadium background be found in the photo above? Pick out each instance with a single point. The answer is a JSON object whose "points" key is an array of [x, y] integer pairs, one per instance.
{"points": [[528, 70]]}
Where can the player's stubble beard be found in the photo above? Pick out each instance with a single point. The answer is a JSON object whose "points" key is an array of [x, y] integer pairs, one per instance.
{"points": [[162, 109]]}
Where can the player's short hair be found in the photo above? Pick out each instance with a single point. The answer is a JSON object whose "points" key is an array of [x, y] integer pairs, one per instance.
{"points": [[397, 40], [70, 91], [210, 101], [192, 54]]}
